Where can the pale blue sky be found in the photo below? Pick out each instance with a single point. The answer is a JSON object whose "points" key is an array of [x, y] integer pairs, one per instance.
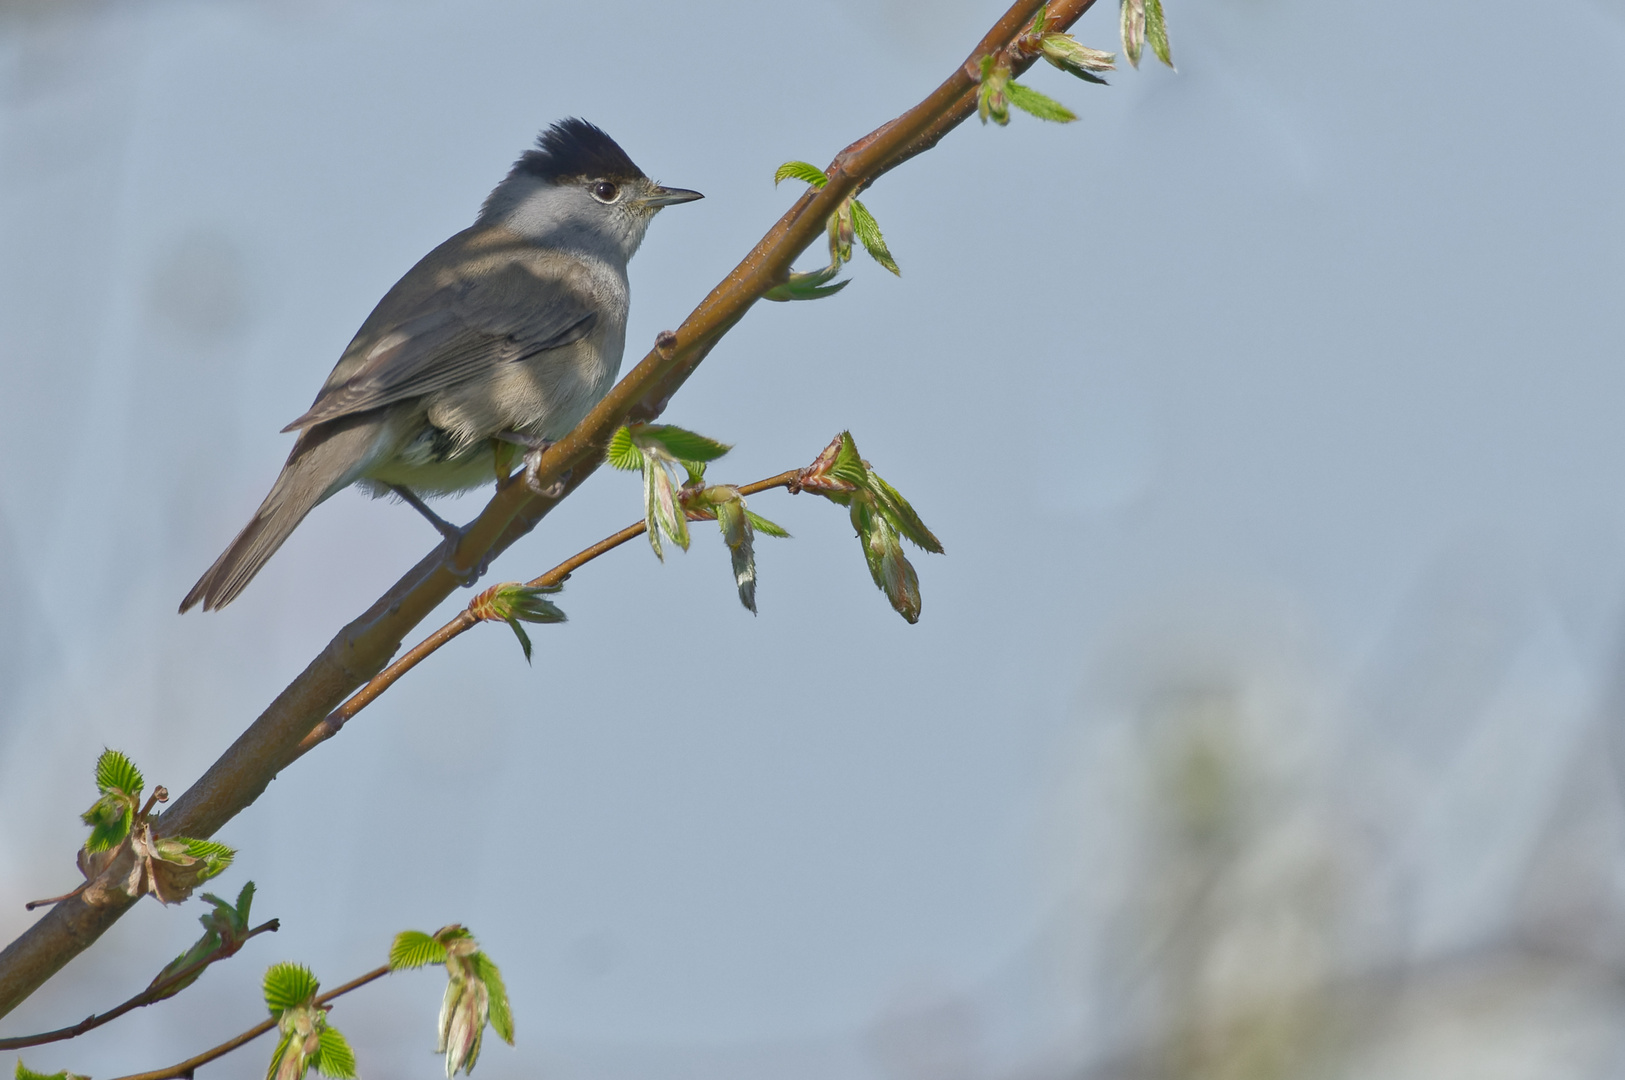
{"points": [[1283, 347]]}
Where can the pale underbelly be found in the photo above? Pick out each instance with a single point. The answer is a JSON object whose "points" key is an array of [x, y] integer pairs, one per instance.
{"points": [[438, 474]]}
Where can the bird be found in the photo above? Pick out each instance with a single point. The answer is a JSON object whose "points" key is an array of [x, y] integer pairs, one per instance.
{"points": [[503, 337]]}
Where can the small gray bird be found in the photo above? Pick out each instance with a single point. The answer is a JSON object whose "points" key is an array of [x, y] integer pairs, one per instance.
{"points": [[508, 333]]}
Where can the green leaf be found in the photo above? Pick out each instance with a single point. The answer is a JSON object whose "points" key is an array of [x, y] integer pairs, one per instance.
{"points": [[871, 530], [1083, 73], [1133, 28], [529, 603], [25, 1073], [288, 986], [1040, 21], [110, 819], [800, 170], [849, 465], [113, 815], [115, 772], [812, 285], [415, 949], [333, 1057], [185, 851], [524, 638], [1031, 101], [682, 444], [538, 610], [622, 452], [902, 515], [901, 584], [501, 1016], [868, 231], [766, 527], [245, 900], [1156, 31]]}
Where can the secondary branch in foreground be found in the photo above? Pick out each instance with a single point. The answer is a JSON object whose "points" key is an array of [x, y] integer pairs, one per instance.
{"points": [[466, 620], [185, 1069], [158, 991]]}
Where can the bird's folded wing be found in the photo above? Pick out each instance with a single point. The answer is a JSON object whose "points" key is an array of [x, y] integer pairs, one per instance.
{"points": [[465, 330]]}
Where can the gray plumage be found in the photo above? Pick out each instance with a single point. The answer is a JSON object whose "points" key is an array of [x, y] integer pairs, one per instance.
{"points": [[512, 329]]}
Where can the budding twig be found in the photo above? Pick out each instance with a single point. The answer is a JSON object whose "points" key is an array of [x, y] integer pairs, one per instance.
{"points": [[155, 992], [185, 1069], [466, 619]]}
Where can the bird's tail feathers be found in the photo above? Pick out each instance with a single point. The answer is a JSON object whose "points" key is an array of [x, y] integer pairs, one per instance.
{"points": [[323, 460]]}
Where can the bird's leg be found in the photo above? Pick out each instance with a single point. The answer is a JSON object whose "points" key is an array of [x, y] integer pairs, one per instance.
{"points": [[535, 447], [442, 526], [452, 533]]}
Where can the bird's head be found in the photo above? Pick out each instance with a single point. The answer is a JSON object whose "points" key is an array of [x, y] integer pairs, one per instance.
{"points": [[578, 187]]}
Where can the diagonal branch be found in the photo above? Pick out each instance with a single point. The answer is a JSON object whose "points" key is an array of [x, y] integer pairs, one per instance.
{"points": [[364, 647]]}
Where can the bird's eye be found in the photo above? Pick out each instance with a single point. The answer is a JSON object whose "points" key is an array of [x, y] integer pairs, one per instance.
{"points": [[604, 191]]}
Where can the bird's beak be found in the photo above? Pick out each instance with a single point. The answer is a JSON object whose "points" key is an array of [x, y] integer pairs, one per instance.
{"points": [[670, 196]]}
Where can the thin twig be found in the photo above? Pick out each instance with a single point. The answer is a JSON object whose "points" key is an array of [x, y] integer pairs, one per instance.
{"points": [[49, 900], [363, 648], [185, 1069], [465, 620], [150, 995]]}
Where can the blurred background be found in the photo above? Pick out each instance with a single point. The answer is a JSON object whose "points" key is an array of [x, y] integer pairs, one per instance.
{"points": [[1264, 719]]}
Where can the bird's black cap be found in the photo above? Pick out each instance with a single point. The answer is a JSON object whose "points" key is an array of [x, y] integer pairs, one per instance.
{"points": [[573, 148]]}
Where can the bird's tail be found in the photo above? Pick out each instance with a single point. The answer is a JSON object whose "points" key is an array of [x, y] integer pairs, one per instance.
{"points": [[323, 460]]}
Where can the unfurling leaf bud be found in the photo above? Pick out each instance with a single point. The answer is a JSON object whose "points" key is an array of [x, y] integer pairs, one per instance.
{"points": [[726, 505], [818, 477], [307, 1041], [225, 928], [475, 995], [1133, 19], [1067, 53], [738, 534], [513, 604], [991, 102], [880, 516], [883, 550], [812, 285], [840, 234]]}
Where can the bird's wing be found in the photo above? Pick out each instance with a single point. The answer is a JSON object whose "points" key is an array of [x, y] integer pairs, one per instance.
{"points": [[464, 330]]}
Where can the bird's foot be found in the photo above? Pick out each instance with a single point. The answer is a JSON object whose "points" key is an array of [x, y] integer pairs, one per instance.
{"points": [[535, 447], [533, 464], [465, 578]]}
